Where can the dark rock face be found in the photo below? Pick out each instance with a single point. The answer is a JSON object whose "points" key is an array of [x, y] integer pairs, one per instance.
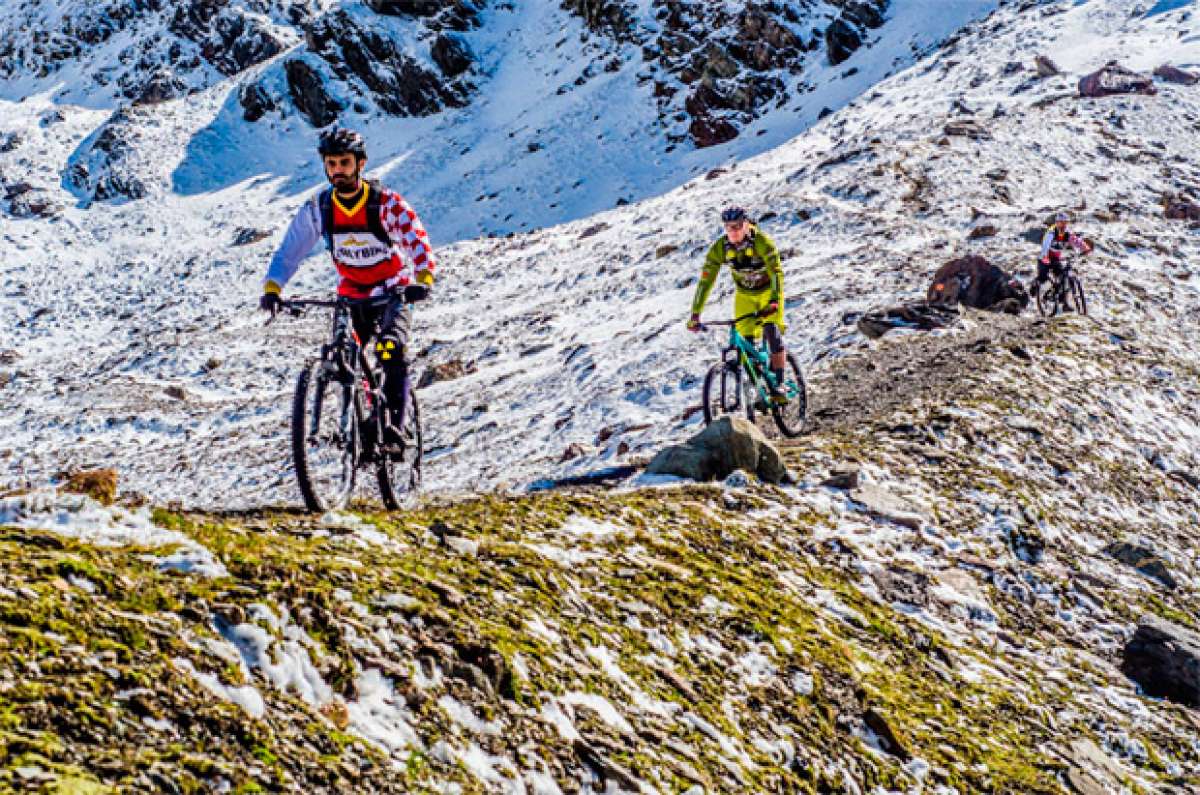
{"points": [[416, 8], [103, 171], [1144, 560], [716, 66], [975, 282], [171, 42], [1164, 658], [399, 85], [309, 94], [841, 40], [607, 16], [255, 102], [451, 55], [231, 37], [846, 34], [161, 87]]}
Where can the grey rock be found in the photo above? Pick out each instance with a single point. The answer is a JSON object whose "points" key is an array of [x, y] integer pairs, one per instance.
{"points": [[727, 445], [983, 229], [399, 83], [1164, 658], [245, 236], [1112, 78], [1046, 67], [842, 478], [885, 505], [841, 41], [255, 102]]}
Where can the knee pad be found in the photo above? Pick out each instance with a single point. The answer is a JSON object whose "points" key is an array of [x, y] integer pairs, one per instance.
{"points": [[389, 351], [773, 337]]}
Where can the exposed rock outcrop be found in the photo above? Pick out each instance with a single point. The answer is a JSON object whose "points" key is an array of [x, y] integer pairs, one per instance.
{"points": [[308, 92], [376, 64]]}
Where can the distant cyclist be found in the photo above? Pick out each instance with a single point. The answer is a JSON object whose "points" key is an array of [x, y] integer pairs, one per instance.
{"points": [[368, 230], [1056, 241], [758, 278]]}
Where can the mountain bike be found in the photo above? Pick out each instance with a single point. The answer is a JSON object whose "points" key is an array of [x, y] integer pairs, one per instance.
{"points": [[1062, 293], [339, 414], [742, 381]]}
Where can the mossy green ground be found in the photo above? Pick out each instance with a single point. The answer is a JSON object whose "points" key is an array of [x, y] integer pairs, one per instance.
{"points": [[716, 605]]}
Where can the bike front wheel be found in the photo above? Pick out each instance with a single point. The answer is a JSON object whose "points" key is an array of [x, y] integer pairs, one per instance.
{"points": [[324, 439], [790, 416], [1076, 291], [399, 474], [1047, 306], [721, 393]]}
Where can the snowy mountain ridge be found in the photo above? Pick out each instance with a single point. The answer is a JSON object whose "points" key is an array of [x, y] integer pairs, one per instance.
{"points": [[987, 523], [482, 103]]}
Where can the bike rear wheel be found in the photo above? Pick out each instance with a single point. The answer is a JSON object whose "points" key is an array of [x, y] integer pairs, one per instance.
{"points": [[324, 439], [790, 416], [400, 476], [722, 392]]}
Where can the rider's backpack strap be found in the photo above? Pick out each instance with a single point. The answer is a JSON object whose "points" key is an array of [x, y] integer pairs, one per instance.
{"points": [[374, 222], [325, 208]]}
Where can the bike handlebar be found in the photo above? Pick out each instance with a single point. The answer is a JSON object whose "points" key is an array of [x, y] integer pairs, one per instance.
{"points": [[296, 306], [733, 322]]}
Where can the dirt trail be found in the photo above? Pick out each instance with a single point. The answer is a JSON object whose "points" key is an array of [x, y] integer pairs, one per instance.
{"points": [[899, 371]]}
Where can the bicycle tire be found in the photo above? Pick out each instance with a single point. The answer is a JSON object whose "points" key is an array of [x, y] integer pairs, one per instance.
{"points": [[714, 379], [386, 472], [326, 473], [790, 417], [1080, 299], [1042, 296]]}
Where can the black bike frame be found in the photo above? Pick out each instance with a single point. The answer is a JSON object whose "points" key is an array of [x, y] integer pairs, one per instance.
{"points": [[346, 360]]}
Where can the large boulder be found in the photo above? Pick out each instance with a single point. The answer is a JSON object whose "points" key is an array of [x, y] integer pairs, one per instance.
{"points": [[1112, 78], [1164, 658], [725, 446], [977, 283]]}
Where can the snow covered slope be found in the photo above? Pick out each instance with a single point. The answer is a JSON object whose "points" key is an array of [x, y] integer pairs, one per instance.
{"points": [[133, 338]]}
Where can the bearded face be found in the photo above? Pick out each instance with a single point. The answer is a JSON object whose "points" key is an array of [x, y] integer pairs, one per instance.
{"points": [[344, 171]]}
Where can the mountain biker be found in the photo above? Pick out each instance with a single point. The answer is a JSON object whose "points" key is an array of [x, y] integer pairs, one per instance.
{"points": [[758, 278], [367, 229], [1054, 243]]}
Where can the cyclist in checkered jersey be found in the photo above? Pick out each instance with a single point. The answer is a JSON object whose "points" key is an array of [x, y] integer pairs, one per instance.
{"points": [[378, 246]]}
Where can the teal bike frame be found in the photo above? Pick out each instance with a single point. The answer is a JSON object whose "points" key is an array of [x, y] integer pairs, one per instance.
{"points": [[753, 359]]}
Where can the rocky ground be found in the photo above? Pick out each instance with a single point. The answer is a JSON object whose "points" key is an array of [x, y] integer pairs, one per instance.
{"points": [[949, 613]]}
